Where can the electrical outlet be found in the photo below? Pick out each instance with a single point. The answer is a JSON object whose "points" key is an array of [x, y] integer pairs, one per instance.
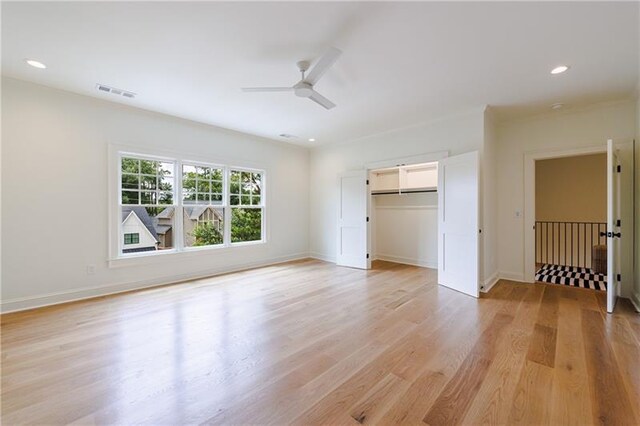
{"points": [[91, 269]]}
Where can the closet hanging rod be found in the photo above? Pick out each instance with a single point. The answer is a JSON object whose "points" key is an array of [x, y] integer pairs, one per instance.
{"points": [[403, 192]]}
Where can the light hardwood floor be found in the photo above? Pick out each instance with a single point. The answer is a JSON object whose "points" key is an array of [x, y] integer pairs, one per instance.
{"points": [[309, 343]]}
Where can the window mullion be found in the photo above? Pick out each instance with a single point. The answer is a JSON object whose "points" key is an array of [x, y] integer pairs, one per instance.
{"points": [[178, 240], [226, 195]]}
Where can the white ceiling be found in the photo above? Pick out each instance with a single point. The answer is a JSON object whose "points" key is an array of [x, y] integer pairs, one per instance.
{"points": [[403, 63]]}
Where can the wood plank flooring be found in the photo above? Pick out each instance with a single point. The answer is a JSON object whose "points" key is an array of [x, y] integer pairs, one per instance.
{"points": [[311, 343]]}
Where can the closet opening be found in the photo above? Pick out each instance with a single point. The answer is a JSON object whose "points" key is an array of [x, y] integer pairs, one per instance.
{"points": [[404, 214]]}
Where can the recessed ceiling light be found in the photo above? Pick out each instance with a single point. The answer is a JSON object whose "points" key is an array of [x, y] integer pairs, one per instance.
{"points": [[312, 140], [557, 106], [35, 64], [559, 69]]}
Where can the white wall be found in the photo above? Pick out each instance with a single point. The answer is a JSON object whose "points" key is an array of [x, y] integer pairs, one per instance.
{"points": [[406, 228], [54, 179], [458, 134], [489, 200], [571, 129]]}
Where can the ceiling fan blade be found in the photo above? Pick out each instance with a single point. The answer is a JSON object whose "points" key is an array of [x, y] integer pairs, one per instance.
{"points": [[323, 64], [267, 89], [321, 100]]}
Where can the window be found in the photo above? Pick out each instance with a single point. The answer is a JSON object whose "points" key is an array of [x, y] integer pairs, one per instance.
{"points": [[147, 203], [245, 189], [203, 205], [174, 205], [132, 238]]}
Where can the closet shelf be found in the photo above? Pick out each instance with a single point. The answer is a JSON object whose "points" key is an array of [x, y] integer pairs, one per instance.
{"points": [[415, 178]]}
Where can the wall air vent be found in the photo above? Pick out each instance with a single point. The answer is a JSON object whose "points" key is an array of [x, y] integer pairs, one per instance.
{"points": [[114, 91]]}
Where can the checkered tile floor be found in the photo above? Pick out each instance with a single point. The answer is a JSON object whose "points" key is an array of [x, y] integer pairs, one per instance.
{"points": [[571, 275]]}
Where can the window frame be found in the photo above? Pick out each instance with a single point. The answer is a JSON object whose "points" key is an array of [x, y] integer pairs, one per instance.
{"points": [[116, 241], [261, 206], [225, 190], [147, 157]]}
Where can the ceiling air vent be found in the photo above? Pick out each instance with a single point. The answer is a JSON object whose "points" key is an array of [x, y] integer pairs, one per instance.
{"points": [[114, 91], [287, 136]]}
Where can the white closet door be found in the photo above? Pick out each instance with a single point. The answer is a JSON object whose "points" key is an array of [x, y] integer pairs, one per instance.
{"points": [[458, 242], [352, 220]]}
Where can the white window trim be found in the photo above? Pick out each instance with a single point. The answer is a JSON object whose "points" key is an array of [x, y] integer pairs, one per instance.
{"points": [[118, 259]]}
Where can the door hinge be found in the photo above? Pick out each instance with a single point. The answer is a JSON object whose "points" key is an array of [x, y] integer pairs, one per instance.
{"points": [[367, 218], [619, 277], [367, 255], [618, 168], [367, 181]]}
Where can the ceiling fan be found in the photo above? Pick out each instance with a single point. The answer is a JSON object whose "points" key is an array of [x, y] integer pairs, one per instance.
{"points": [[304, 88]]}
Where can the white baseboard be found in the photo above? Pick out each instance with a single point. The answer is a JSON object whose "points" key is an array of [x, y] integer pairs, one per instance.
{"points": [[512, 276], [323, 257], [407, 261], [31, 302], [635, 300], [490, 282]]}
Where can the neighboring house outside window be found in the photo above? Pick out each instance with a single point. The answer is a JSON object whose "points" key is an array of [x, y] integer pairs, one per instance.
{"points": [[136, 220], [198, 220]]}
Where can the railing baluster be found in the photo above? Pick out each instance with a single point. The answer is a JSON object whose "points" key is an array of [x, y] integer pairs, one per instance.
{"points": [[591, 248], [556, 246], [584, 255], [565, 243], [546, 239], [535, 242]]}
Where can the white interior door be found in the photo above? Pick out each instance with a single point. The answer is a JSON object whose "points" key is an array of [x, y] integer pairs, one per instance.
{"points": [[352, 220], [613, 246], [620, 220], [458, 242]]}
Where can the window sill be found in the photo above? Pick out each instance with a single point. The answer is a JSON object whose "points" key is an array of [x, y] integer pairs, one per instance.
{"points": [[147, 258]]}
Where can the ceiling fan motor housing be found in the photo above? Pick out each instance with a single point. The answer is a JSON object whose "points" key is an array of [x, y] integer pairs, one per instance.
{"points": [[303, 89]]}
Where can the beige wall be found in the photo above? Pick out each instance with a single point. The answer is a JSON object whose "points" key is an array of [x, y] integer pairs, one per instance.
{"points": [[572, 189]]}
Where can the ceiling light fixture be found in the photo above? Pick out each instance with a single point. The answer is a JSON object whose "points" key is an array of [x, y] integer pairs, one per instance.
{"points": [[557, 106], [312, 140], [559, 69], [35, 64]]}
